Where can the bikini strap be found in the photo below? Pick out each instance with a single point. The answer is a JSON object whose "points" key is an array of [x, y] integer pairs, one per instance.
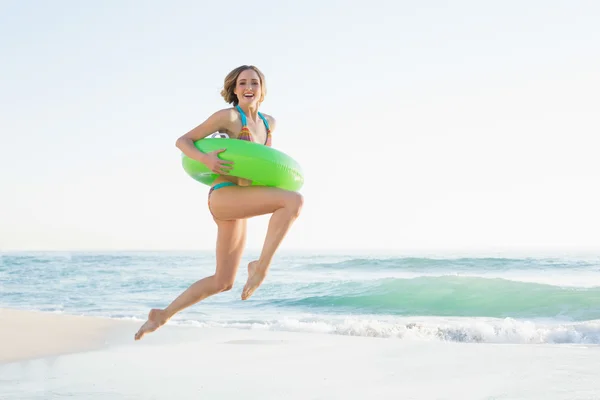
{"points": [[242, 115], [265, 121]]}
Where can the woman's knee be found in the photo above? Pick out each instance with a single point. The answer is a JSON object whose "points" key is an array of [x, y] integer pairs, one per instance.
{"points": [[294, 203], [223, 284]]}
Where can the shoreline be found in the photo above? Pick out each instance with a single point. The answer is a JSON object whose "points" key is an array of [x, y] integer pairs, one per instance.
{"points": [[33, 334]]}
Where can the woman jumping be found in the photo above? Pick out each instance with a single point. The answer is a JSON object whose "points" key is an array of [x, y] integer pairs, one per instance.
{"points": [[231, 200]]}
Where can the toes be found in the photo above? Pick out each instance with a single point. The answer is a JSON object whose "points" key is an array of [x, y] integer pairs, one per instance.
{"points": [[138, 335], [245, 294], [142, 331]]}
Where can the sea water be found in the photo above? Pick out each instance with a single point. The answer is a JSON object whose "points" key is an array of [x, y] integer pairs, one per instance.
{"points": [[526, 300]]}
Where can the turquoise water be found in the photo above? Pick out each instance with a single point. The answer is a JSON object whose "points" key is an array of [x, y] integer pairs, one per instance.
{"points": [[515, 300]]}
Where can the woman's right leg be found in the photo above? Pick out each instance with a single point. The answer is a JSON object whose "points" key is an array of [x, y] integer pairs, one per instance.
{"points": [[231, 238]]}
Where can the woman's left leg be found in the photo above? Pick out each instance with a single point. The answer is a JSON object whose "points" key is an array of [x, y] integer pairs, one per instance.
{"points": [[246, 202]]}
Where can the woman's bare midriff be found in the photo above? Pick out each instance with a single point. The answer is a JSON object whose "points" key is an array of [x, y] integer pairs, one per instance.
{"points": [[232, 179]]}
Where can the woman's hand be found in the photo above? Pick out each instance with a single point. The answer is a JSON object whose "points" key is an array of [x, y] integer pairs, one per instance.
{"points": [[215, 164]]}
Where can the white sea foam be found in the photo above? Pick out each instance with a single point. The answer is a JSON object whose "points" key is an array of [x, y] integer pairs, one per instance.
{"points": [[470, 330]]}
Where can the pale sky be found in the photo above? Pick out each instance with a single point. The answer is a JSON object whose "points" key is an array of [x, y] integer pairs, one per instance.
{"points": [[420, 125]]}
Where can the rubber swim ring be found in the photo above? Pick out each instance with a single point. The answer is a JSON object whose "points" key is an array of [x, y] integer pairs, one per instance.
{"points": [[264, 166]]}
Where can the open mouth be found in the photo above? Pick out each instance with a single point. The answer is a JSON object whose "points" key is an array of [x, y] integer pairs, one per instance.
{"points": [[249, 95]]}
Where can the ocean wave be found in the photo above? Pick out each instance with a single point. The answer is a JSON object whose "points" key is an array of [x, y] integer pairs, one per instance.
{"points": [[448, 296]]}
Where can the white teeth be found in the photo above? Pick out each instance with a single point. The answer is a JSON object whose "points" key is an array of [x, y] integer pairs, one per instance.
{"points": [[249, 95]]}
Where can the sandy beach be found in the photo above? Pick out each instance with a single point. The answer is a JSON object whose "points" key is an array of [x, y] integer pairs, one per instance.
{"points": [[31, 334], [56, 355]]}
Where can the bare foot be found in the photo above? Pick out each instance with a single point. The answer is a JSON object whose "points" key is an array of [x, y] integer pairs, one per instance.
{"points": [[252, 268], [156, 319], [256, 276]]}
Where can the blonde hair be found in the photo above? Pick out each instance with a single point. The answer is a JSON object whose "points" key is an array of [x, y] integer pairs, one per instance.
{"points": [[231, 80]]}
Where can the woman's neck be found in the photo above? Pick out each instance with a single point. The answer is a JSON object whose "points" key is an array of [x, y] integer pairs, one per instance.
{"points": [[250, 111]]}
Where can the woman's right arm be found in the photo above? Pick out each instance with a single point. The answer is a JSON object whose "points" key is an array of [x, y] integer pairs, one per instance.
{"points": [[214, 123]]}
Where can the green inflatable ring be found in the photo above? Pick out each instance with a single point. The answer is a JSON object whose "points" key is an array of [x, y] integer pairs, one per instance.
{"points": [[264, 166]]}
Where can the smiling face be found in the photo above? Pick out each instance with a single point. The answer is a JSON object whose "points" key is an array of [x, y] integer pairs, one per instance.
{"points": [[248, 87], [244, 85]]}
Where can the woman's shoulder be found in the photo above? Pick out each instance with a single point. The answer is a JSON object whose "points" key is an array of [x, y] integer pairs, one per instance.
{"points": [[230, 117], [228, 120], [228, 114]]}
